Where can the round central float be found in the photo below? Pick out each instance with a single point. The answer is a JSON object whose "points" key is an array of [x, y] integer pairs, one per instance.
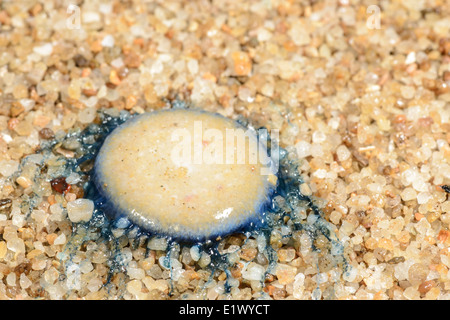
{"points": [[183, 173]]}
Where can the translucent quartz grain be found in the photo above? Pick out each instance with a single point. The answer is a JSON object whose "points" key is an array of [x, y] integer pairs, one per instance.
{"points": [[142, 171], [80, 210]]}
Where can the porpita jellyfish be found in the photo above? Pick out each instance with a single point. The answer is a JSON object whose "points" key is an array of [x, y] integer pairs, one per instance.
{"points": [[187, 174], [153, 193]]}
